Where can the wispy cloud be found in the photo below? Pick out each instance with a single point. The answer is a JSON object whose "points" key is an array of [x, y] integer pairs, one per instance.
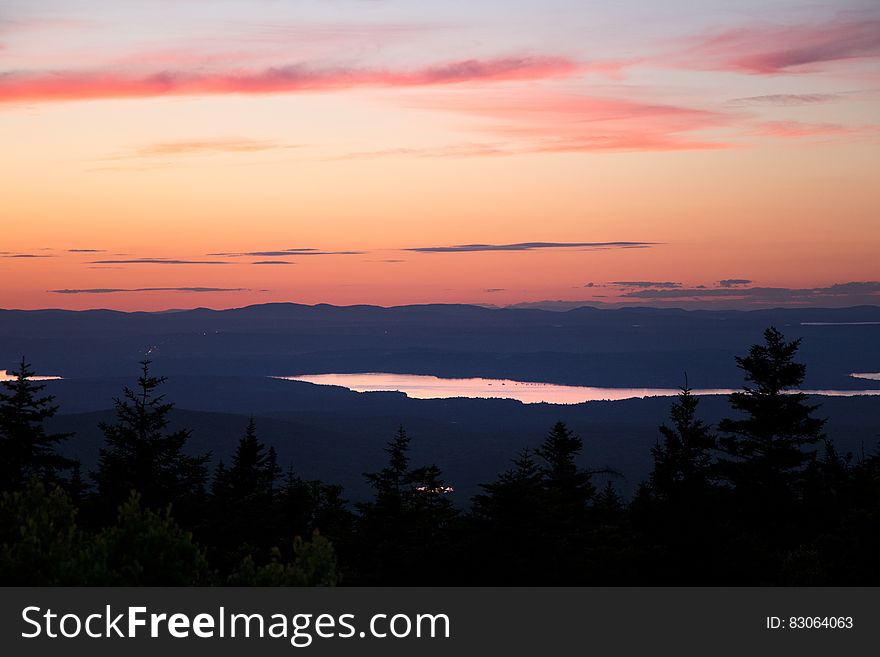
{"points": [[734, 282], [646, 284], [159, 261], [26, 255], [86, 250], [273, 262], [530, 246], [855, 289], [202, 146], [769, 49], [798, 129], [114, 290], [546, 121], [85, 85], [784, 100], [285, 252], [451, 150]]}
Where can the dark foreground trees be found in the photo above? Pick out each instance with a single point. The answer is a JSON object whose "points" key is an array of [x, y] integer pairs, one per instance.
{"points": [[26, 449], [140, 455], [761, 498], [403, 535], [769, 446], [542, 521], [678, 511]]}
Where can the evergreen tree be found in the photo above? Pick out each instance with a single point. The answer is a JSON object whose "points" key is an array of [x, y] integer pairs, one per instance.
{"points": [[243, 498], [140, 455], [767, 450], [254, 471], [309, 506], [683, 461], [407, 525], [507, 501], [568, 493], [608, 504], [26, 449], [393, 481], [767, 459], [76, 487], [676, 512], [568, 485], [509, 518]]}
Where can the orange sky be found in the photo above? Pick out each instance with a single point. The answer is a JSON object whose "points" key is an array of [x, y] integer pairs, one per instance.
{"points": [[716, 146]]}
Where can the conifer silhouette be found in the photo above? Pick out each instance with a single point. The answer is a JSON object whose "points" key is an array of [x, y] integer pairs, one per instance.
{"points": [[26, 449], [140, 455]]}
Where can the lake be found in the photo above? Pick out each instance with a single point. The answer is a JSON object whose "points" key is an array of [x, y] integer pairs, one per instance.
{"points": [[6, 376], [421, 386]]}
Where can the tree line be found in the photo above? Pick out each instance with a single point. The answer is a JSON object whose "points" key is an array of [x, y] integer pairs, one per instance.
{"points": [[763, 497]]}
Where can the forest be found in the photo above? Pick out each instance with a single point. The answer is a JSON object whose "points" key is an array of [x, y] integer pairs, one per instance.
{"points": [[759, 497]]}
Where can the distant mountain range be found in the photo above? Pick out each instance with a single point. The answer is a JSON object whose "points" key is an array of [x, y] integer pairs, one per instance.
{"points": [[638, 347], [218, 365]]}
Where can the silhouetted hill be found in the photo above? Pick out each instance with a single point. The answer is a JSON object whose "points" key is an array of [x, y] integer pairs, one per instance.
{"points": [[587, 346]]}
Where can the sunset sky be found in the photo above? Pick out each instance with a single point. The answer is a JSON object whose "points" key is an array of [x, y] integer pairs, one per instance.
{"points": [[172, 154]]}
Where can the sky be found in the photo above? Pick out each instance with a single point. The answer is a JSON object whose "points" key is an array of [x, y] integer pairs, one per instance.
{"points": [[186, 153]]}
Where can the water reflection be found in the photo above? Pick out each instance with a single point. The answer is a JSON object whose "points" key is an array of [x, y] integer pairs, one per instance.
{"points": [[6, 376], [432, 387]]}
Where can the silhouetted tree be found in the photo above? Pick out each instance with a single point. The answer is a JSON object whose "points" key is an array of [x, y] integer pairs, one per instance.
{"points": [[140, 455], [676, 511], [766, 458], [767, 450], [568, 493], [393, 481], [25, 448], [509, 518], [406, 526], [683, 461], [243, 510], [569, 487], [77, 487]]}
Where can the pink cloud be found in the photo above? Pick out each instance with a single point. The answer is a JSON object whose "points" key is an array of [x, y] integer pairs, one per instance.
{"points": [[543, 121], [70, 85], [198, 146], [798, 129], [773, 49]]}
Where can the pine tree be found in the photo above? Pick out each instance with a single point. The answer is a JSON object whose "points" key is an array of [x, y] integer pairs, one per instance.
{"points": [[570, 485], [608, 503], [404, 531], [569, 519], [506, 501], [26, 449], [254, 468], [243, 498], [509, 518], [676, 512], [767, 451], [140, 455], [392, 482], [683, 461]]}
